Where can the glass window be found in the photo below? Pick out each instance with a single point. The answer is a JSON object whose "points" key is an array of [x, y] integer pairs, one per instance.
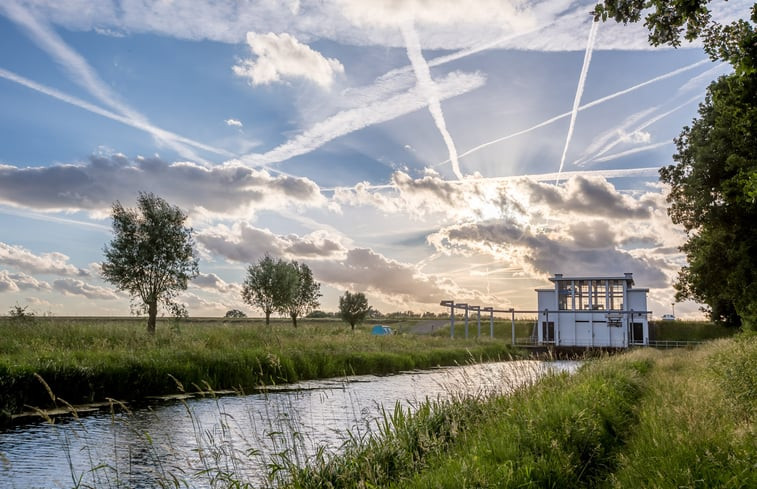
{"points": [[564, 295], [616, 294], [599, 294], [582, 295]]}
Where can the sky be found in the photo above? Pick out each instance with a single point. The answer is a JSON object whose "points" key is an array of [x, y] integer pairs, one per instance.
{"points": [[415, 151]]}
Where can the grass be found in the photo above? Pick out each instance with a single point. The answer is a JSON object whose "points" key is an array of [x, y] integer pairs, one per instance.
{"points": [[673, 419], [679, 330], [88, 360]]}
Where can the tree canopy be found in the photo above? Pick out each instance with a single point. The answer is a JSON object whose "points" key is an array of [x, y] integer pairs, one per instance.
{"points": [[713, 183], [269, 286], [353, 308], [151, 255], [304, 297], [712, 197], [670, 21]]}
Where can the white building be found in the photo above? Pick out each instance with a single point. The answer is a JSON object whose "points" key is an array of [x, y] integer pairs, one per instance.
{"points": [[593, 312]]}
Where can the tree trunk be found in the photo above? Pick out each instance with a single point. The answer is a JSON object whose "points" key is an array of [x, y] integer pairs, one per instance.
{"points": [[152, 313], [353, 326], [267, 317], [294, 319]]}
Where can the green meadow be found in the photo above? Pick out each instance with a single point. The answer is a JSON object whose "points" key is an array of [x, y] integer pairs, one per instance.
{"points": [[54, 361]]}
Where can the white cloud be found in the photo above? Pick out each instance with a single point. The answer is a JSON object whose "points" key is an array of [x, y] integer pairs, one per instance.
{"points": [[233, 123], [22, 259], [77, 287], [282, 56], [245, 243], [212, 282]]}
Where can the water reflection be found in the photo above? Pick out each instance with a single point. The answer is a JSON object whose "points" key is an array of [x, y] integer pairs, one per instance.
{"points": [[239, 435]]}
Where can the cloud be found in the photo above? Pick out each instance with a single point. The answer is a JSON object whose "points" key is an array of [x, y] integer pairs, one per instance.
{"points": [[212, 282], [282, 56], [245, 243], [77, 287], [542, 254], [233, 123], [227, 189], [13, 282], [332, 263], [591, 196], [52, 263]]}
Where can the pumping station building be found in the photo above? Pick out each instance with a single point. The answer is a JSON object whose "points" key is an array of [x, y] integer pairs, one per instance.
{"points": [[605, 312], [577, 312]]}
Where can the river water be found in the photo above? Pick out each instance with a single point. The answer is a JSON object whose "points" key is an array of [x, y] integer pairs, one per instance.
{"points": [[241, 435]]}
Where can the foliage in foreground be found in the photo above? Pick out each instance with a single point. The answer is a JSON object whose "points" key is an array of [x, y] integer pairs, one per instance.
{"points": [[648, 418]]}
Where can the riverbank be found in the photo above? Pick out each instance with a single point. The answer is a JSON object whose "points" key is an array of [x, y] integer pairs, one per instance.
{"points": [[648, 418], [55, 362]]}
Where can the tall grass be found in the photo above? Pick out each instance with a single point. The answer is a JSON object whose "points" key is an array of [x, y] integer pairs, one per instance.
{"points": [[696, 425], [644, 419], [84, 361]]}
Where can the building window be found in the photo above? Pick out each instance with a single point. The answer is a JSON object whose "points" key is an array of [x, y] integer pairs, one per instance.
{"points": [[616, 294], [582, 295], [564, 295], [598, 294]]}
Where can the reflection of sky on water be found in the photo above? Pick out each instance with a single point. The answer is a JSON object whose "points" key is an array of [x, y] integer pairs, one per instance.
{"points": [[238, 434]]}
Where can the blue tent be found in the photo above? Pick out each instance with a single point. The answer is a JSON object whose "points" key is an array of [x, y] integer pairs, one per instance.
{"points": [[381, 330]]}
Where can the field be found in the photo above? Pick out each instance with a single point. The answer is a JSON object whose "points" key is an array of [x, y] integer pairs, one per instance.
{"points": [[86, 360]]}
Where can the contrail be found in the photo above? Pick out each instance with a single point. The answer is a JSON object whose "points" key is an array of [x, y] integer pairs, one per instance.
{"points": [[428, 87], [644, 125], [579, 92], [583, 107], [138, 124]]}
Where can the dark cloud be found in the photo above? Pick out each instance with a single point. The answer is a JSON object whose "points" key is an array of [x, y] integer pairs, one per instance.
{"points": [[593, 254], [363, 269], [95, 185], [589, 196]]}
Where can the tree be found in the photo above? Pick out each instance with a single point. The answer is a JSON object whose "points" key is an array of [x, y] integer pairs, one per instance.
{"points": [[714, 181], [353, 308], [711, 196], [269, 286], [235, 314], [306, 292], [151, 255], [669, 21]]}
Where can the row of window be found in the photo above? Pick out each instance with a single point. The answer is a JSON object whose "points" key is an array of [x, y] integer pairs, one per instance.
{"points": [[587, 295]]}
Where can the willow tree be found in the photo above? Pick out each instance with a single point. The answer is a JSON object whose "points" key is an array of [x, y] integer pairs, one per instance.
{"points": [[151, 255]]}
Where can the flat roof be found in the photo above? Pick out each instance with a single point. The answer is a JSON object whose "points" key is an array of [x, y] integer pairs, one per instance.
{"points": [[559, 277]]}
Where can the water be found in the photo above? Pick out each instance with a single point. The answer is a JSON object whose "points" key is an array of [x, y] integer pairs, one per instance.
{"points": [[240, 435]]}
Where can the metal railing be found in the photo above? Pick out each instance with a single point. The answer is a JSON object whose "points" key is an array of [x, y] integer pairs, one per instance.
{"points": [[672, 343]]}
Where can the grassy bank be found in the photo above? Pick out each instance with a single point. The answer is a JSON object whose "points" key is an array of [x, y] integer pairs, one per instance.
{"points": [[644, 419], [88, 360]]}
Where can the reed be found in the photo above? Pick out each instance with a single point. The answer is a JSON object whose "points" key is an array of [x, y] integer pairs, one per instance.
{"points": [[90, 360]]}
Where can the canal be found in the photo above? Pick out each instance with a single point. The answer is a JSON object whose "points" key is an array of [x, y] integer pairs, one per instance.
{"points": [[197, 439]]}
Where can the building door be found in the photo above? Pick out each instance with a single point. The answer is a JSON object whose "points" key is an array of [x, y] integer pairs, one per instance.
{"points": [[548, 331], [637, 333]]}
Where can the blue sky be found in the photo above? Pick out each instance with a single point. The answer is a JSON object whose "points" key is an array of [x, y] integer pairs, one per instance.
{"points": [[414, 151]]}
